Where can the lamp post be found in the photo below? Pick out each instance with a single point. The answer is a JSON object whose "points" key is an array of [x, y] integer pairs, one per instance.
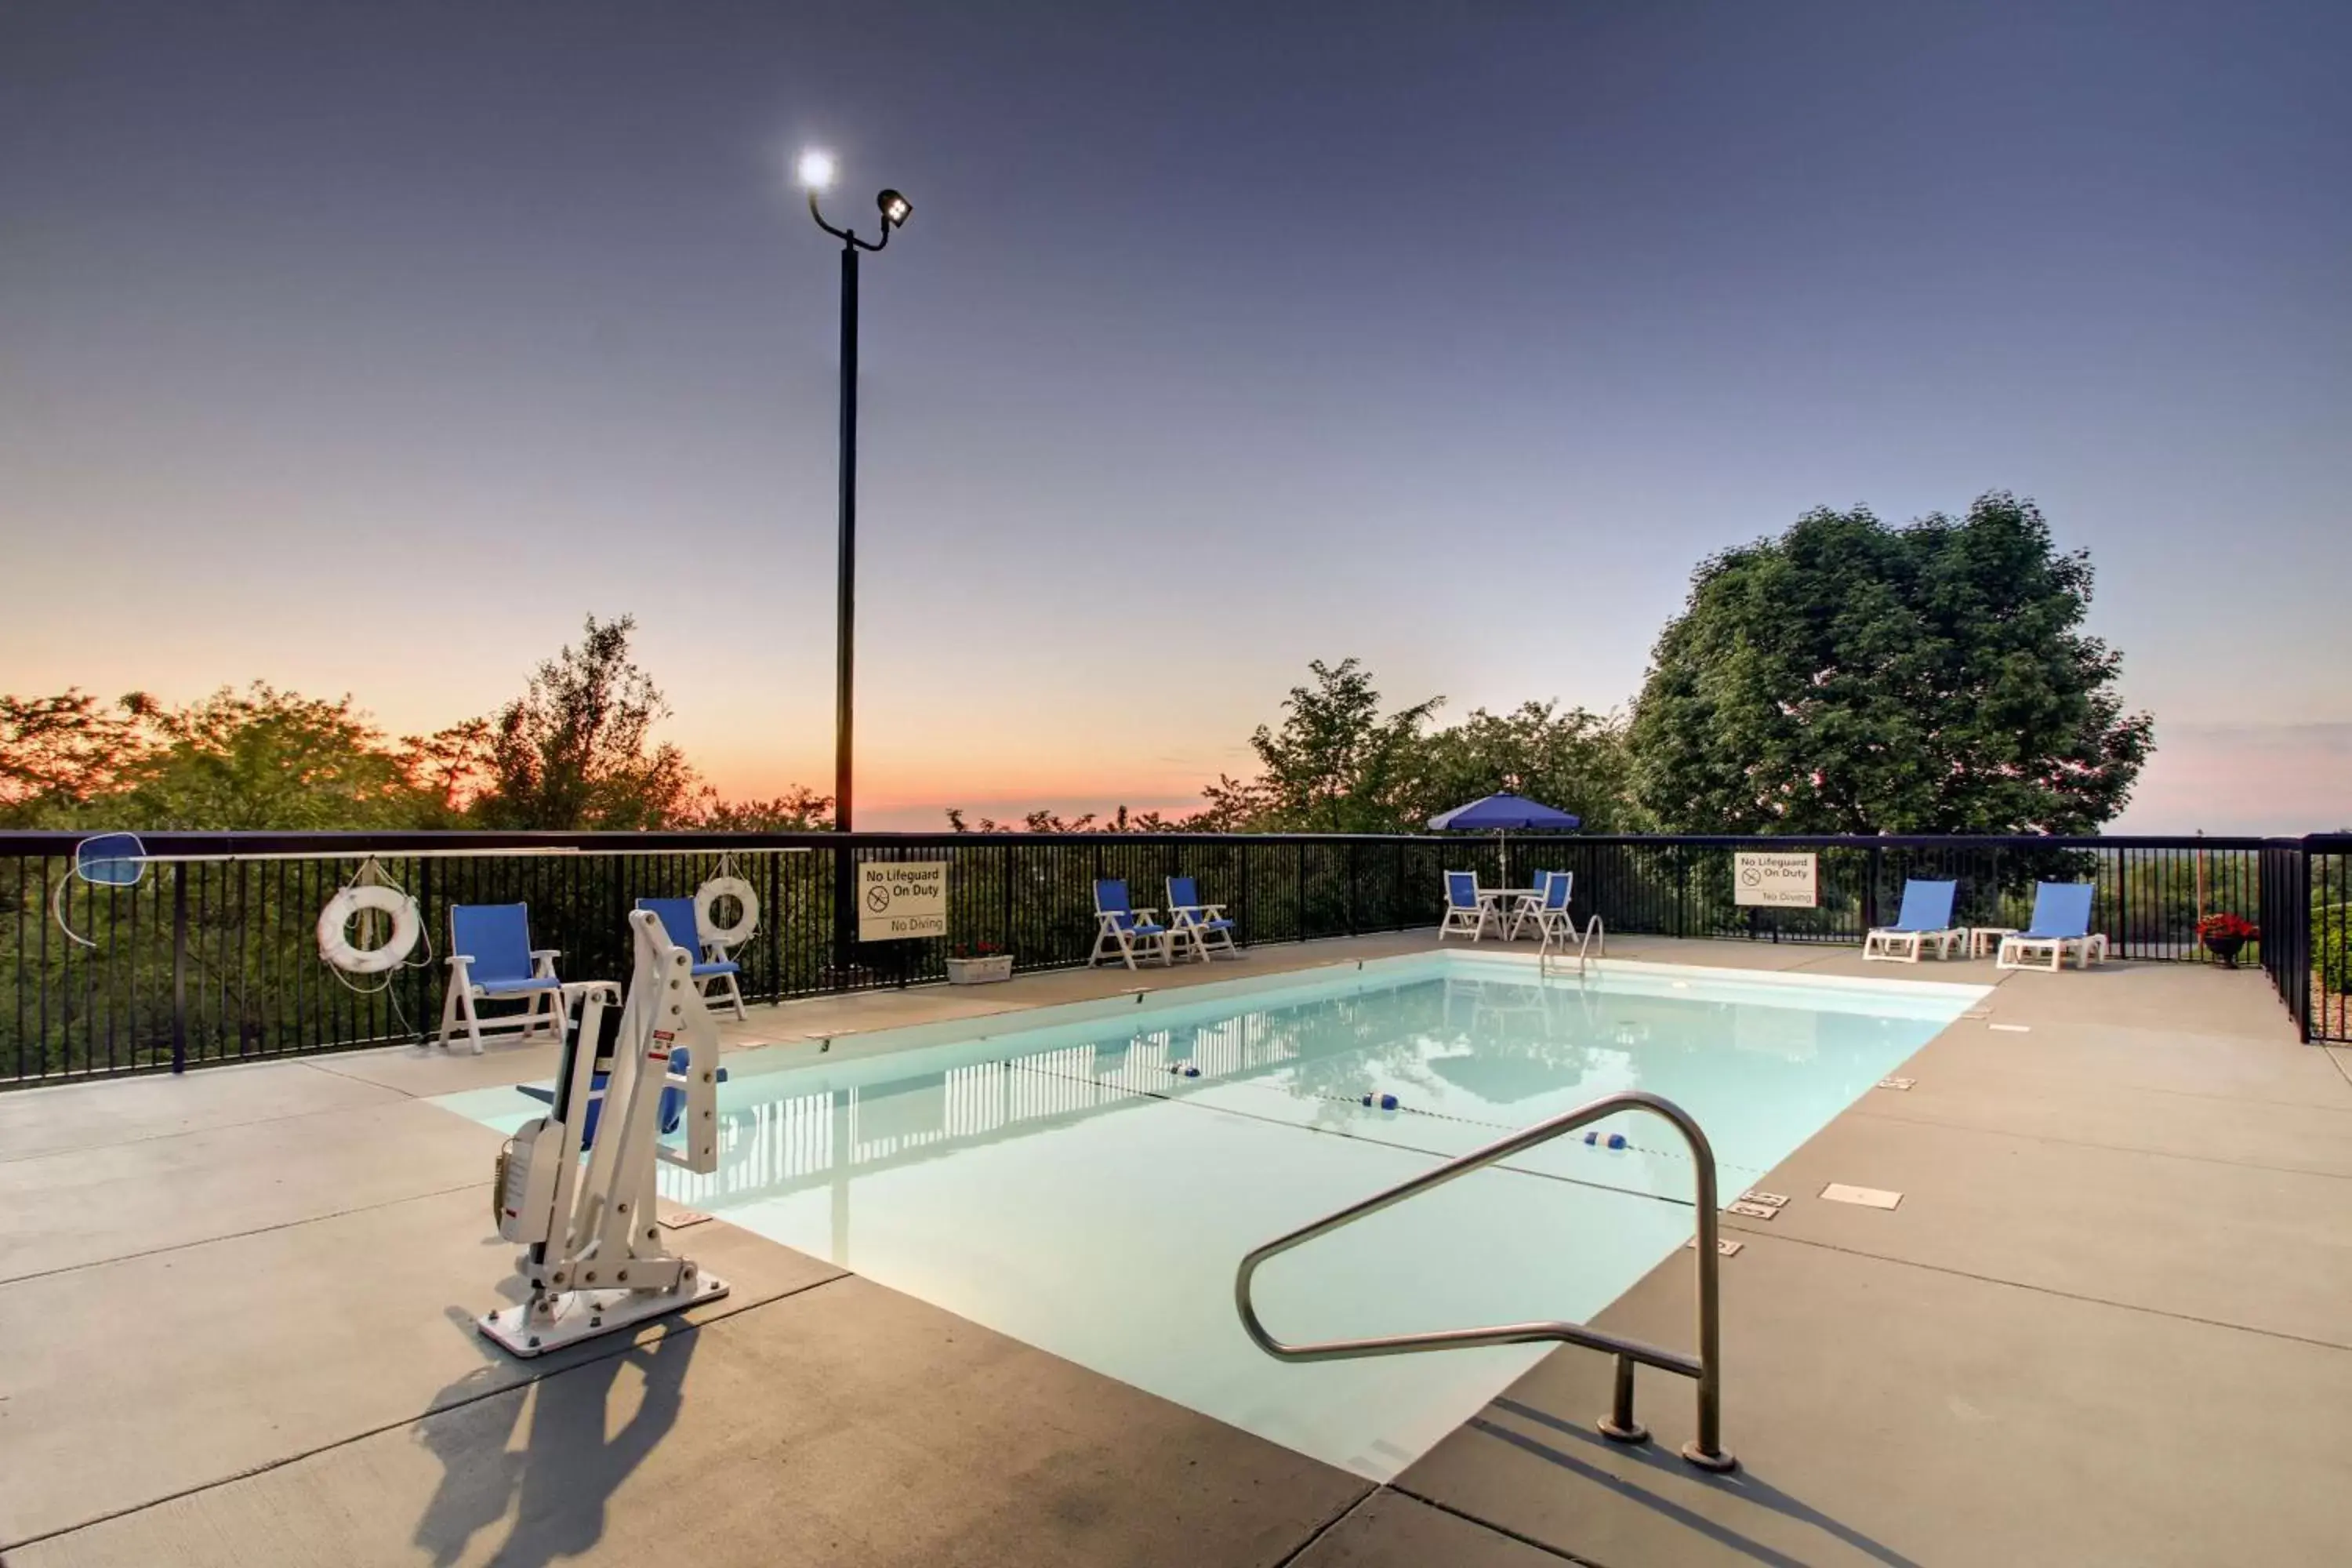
{"points": [[816, 176]]}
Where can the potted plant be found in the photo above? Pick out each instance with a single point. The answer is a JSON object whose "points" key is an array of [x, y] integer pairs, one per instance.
{"points": [[2225, 934], [977, 963]]}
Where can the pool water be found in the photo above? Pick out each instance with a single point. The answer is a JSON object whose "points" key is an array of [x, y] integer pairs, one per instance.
{"points": [[1067, 1185]]}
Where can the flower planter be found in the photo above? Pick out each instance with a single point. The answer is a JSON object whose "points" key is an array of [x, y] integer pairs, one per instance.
{"points": [[2225, 948], [979, 970]]}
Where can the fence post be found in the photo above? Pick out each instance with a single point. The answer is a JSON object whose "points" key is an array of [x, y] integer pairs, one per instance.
{"points": [[180, 966], [1298, 888], [1351, 887], [2303, 945], [1248, 935]]}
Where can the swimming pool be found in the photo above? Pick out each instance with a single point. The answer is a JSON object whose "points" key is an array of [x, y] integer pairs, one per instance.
{"points": [[1063, 1179]]}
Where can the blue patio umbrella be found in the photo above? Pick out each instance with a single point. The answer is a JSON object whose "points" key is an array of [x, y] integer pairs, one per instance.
{"points": [[1503, 812]]}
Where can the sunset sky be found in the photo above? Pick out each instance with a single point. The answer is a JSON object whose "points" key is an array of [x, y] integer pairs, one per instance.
{"points": [[367, 349]]}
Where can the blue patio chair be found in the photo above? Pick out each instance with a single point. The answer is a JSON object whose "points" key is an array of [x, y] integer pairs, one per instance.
{"points": [[1121, 929], [2062, 923], [1203, 925], [1548, 908], [491, 960], [1466, 909], [712, 967], [1925, 917]]}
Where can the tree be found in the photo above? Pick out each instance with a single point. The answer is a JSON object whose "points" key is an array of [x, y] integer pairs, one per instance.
{"points": [[262, 758], [1120, 820], [798, 810], [572, 752], [58, 754], [1336, 766], [1853, 677], [1575, 760]]}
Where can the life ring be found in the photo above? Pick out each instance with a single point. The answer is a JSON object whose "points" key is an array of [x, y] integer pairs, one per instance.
{"points": [[335, 921], [705, 900]]}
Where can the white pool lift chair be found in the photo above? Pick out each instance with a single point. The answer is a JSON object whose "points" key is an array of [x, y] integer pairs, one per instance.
{"points": [[1925, 919]]}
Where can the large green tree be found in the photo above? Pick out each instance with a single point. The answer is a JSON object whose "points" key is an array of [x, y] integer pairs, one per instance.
{"points": [[574, 751], [261, 759], [1848, 677], [1570, 758], [1336, 764]]}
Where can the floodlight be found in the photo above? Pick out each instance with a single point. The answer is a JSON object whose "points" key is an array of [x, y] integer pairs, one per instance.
{"points": [[895, 208], [817, 169]]}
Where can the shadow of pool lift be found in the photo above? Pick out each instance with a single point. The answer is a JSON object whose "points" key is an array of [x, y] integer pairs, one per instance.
{"points": [[594, 1260]]}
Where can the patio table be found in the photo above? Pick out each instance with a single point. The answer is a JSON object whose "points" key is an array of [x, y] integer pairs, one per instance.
{"points": [[1508, 898], [1982, 940]]}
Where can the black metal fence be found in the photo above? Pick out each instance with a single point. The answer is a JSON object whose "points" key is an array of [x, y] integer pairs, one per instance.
{"points": [[214, 957]]}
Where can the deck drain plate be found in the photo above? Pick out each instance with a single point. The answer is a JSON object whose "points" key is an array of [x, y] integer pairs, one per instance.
{"points": [[679, 1219], [1722, 1249], [2012, 1029], [1770, 1200], [1896, 1083], [1753, 1211], [1868, 1197]]}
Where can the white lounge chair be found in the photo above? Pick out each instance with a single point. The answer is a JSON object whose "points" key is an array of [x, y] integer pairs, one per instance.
{"points": [[1123, 930], [714, 971], [1203, 925], [1466, 909], [1548, 908], [491, 960], [1925, 917], [2062, 924]]}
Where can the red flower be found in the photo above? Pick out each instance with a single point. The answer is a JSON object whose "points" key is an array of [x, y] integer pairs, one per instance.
{"points": [[2226, 926]]}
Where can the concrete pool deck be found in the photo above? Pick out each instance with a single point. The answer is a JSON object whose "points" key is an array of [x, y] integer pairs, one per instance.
{"points": [[2111, 1321]]}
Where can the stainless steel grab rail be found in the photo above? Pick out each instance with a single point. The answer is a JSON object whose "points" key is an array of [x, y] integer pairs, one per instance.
{"points": [[1706, 1449], [1585, 938]]}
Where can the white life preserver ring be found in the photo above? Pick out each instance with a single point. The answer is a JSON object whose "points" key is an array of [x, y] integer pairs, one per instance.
{"points": [[334, 922], [705, 898]]}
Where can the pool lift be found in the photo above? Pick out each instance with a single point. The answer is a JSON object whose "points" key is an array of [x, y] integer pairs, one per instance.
{"points": [[577, 1186]]}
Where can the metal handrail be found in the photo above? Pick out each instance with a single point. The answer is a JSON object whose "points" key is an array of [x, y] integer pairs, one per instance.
{"points": [[1706, 1449], [1593, 929]]}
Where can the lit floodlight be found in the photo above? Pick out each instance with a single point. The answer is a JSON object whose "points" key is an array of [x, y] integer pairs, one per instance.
{"points": [[895, 208], [817, 169]]}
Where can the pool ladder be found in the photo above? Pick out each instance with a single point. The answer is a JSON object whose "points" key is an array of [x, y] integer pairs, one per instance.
{"points": [[1592, 939], [1706, 1449]]}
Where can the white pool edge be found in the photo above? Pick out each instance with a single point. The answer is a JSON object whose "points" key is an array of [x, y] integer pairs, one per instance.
{"points": [[854, 1044]]}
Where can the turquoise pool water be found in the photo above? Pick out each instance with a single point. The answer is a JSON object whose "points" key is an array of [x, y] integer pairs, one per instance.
{"points": [[1062, 1184]]}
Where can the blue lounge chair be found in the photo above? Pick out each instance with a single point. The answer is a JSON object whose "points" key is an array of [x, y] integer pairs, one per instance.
{"points": [[1925, 917], [1121, 929], [2062, 922], [712, 967], [1548, 908], [491, 960], [1466, 909], [1203, 925]]}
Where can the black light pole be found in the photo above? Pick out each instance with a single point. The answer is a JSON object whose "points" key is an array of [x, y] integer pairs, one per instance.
{"points": [[817, 174]]}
